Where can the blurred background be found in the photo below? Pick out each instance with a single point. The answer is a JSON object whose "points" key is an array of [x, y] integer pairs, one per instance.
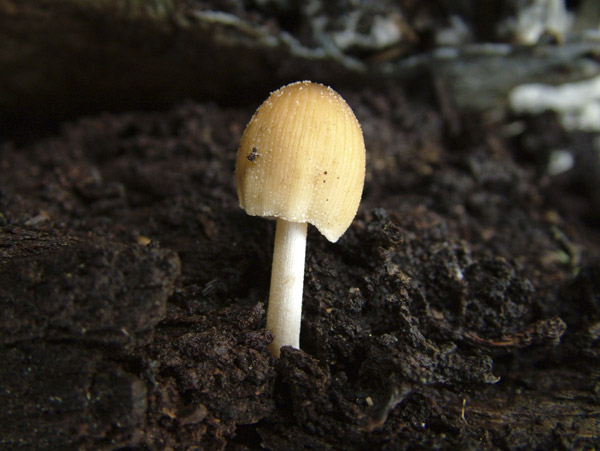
{"points": [[64, 58]]}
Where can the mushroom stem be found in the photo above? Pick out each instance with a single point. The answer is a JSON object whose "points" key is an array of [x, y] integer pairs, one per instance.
{"points": [[287, 280]]}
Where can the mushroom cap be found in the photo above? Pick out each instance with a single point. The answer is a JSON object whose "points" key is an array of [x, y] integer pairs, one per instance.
{"points": [[302, 159]]}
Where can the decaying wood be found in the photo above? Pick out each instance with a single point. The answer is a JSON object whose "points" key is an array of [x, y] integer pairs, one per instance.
{"points": [[460, 310]]}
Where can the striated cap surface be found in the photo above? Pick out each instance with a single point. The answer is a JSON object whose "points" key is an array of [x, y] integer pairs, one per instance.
{"points": [[302, 159]]}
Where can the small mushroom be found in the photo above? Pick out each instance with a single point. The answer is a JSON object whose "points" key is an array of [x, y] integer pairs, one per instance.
{"points": [[301, 159]]}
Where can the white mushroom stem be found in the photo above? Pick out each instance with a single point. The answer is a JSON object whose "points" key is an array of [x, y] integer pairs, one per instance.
{"points": [[287, 279]]}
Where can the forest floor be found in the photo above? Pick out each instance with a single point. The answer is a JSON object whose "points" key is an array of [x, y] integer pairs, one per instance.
{"points": [[460, 310]]}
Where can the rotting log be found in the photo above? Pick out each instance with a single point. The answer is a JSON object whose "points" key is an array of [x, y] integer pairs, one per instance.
{"points": [[69, 57]]}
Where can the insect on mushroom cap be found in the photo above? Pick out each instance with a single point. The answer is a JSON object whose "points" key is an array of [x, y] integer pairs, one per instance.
{"points": [[302, 159]]}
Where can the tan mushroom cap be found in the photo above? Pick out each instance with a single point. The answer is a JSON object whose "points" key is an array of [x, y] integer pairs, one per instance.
{"points": [[302, 159]]}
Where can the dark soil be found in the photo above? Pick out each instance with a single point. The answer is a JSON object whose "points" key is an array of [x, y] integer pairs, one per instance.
{"points": [[461, 310]]}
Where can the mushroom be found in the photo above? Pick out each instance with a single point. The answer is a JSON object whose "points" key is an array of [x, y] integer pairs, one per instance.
{"points": [[301, 159]]}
